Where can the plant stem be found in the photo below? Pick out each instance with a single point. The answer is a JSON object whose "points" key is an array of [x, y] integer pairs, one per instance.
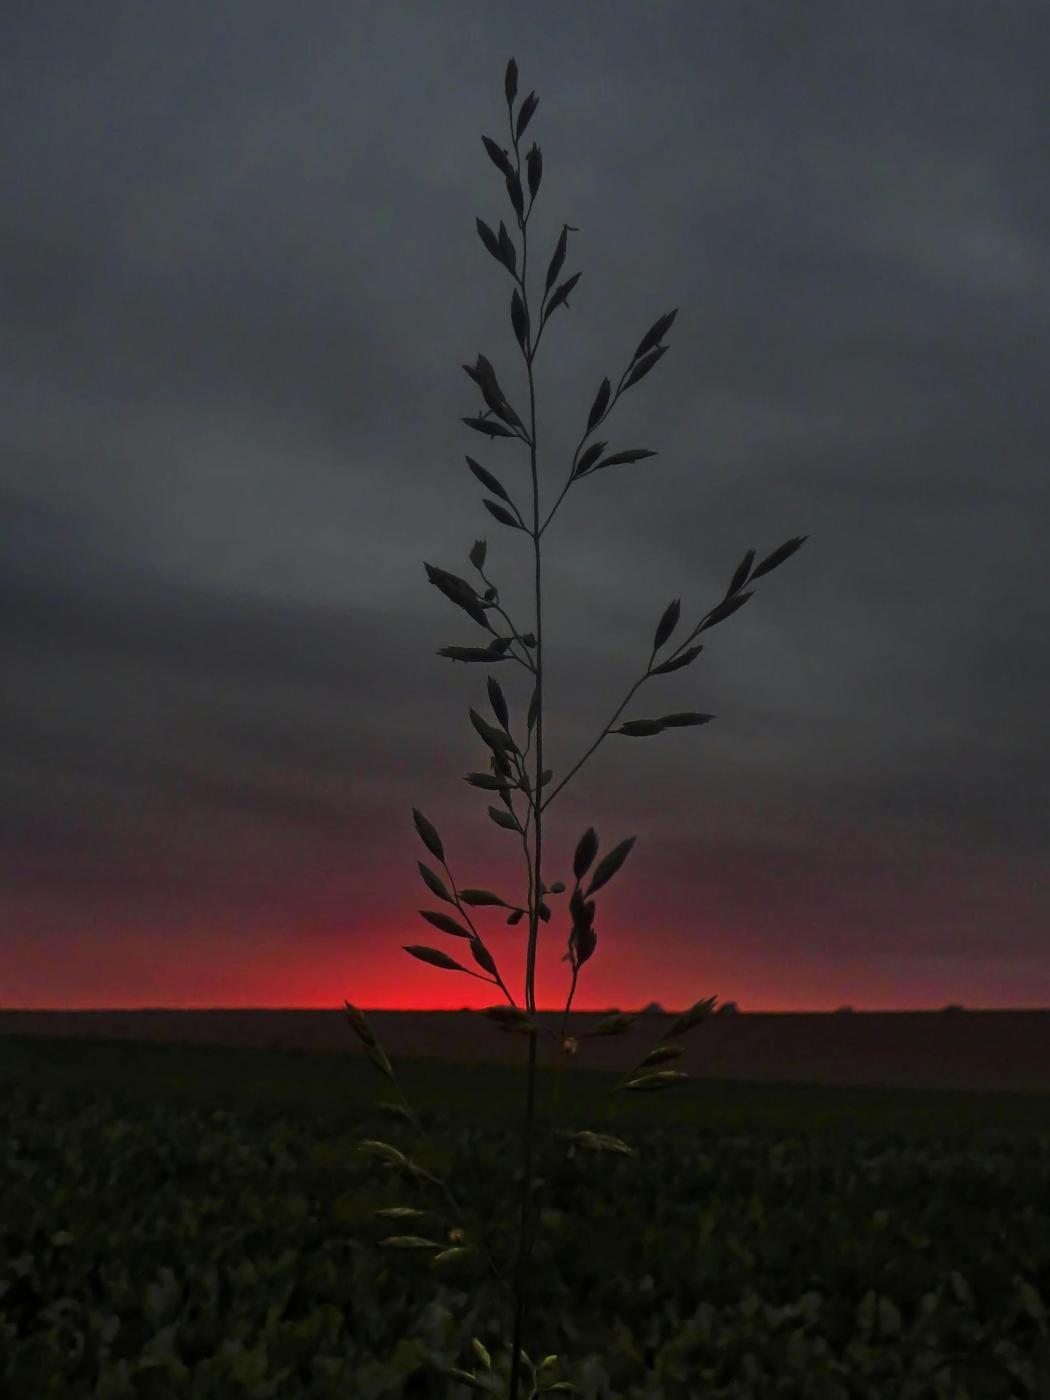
{"points": [[525, 1228]]}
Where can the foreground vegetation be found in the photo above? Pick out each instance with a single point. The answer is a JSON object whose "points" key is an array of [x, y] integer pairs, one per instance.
{"points": [[195, 1221]]}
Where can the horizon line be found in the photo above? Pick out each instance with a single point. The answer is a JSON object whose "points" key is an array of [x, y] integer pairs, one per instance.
{"points": [[648, 1009]]}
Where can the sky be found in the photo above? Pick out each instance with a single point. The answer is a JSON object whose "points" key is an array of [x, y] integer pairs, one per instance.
{"points": [[241, 277]]}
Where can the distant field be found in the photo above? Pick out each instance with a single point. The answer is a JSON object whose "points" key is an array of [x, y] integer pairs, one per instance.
{"points": [[975, 1050], [341, 1089]]}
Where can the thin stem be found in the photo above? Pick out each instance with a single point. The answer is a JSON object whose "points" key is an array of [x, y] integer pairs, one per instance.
{"points": [[525, 1231], [579, 764]]}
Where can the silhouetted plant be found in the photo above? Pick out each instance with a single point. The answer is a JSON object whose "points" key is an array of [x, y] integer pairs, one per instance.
{"points": [[508, 776]]}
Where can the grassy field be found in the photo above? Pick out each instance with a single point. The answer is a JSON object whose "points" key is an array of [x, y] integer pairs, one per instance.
{"points": [[342, 1088]]}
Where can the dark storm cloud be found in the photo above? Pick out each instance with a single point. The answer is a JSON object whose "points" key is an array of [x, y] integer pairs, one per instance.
{"points": [[241, 276]]}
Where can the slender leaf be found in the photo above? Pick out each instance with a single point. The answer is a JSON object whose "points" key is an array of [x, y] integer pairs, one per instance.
{"points": [[643, 367], [483, 957], [499, 157], [498, 702], [557, 259], [445, 923], [654, 335], [435, 883], [740, 576], [639, 728], [525, 114], [784, 551], [586, 850], [505, 819], [698, 1012], [435, 957], [428, 834], [489, 427], [676, 663], [534, 164], [683, 720], [488, 480], [668, 622], [501, 514], [601, 403], [724, 610], [609, 865], [589, 458], [481, 898], [562, 294], [634, 454], [510, 81]]}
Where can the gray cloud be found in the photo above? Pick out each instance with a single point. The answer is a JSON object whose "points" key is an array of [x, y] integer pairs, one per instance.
{"points": [[242, 278]]}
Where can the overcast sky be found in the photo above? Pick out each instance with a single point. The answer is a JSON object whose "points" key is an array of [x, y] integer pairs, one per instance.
{"points": [[241, 275]]}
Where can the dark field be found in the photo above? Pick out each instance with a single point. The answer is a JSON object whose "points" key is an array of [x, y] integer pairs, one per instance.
{"points": [[195, 1220]]}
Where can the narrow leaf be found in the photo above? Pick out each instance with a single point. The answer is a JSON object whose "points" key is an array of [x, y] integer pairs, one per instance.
{"points": [[501, 513], [534, 709], [489, 426], [660, 1079], [688, 1019], [635, 454], [435, 957], [360, 1026], [505, 819], [516, 917], [435, 883], [661, 1053], [616, 1024], [683, 720], [514, 191], [399, 1213], [499, 157], [428, 834], [558, 258], [489, 239], [667, 623], [724, 610], [654, 335], [601, 1142], [519, 318], [525, 113], [481, 898], [487, 479], [382, 1152], [639, 728], [601, 403], [589, 458], [643, 366], [482, 956], [509, 1015], [609, 865], [561, 294], [676, 663], [471, 654], [774, 560], [489, 781], [506, 245], [586, 850], [510, 81], [498, 702], [534, 164], [445, 923], [740, 576]]}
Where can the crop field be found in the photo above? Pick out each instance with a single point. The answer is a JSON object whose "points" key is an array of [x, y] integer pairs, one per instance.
{"points": [[191, 1220]]}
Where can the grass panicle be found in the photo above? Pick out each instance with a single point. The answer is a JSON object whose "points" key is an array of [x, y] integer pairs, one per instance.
{"points": [[520, 793]]}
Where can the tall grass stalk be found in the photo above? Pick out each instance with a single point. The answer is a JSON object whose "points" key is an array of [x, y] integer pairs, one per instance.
{"points": [[508, 778]]}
